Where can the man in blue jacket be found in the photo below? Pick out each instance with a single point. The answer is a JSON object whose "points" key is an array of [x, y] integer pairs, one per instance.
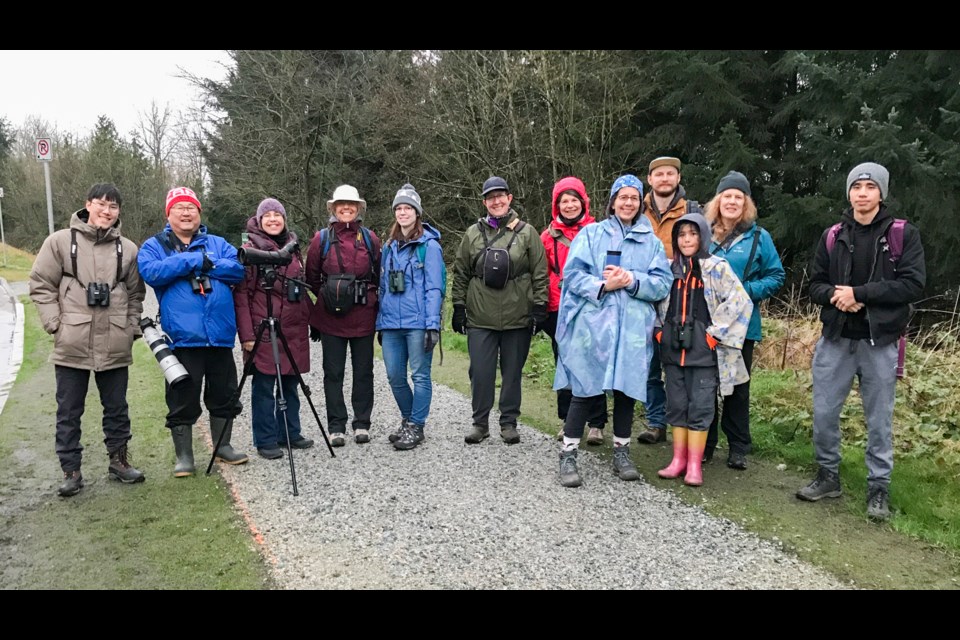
{"points": [[192, 274]]}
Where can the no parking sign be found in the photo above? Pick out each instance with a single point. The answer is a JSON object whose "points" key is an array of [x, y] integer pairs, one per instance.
{"points": [[44, 149]]}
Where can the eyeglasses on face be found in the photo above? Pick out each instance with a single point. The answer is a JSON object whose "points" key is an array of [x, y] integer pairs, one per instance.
{"points": [[106, 204], [628, 198], [184, 208], [493, 197]]}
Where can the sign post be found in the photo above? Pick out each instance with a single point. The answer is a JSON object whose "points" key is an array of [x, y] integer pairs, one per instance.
{"points": [[3, 238], [45, 155]]}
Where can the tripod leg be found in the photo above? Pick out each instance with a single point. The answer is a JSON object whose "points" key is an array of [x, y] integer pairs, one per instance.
{"points": [[247, 370], [275, 337], [306, 391]]}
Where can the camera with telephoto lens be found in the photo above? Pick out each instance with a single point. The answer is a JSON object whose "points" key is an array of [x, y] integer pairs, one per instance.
{"points": [[98, 294], [283, 256], [174, 372], [683, 336], [396, 281]]}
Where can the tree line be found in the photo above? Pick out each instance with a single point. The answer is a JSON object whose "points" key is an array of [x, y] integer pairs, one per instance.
{"points": [[295, 124]]}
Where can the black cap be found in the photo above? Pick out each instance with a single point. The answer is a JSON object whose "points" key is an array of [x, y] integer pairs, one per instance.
{"points": [[494, 183]]}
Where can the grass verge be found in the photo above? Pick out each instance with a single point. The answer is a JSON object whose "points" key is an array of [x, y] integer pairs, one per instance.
{"points": [[165, 533]]}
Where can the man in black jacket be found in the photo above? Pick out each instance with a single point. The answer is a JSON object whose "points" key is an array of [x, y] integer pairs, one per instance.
{"points": [[865, 291]]}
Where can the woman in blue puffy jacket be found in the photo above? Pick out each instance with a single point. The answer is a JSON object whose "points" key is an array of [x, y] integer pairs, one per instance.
{"points": [[411, 294], [749, 249]]}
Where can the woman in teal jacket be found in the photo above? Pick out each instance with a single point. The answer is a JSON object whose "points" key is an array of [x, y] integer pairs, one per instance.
{"points": [[749, 249]]}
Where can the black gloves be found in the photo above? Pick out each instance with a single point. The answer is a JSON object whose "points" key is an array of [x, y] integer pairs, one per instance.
{"points": [[430, 339], [380, 338], [460, 319], [538, 318], [207, 264], [314, 334]]}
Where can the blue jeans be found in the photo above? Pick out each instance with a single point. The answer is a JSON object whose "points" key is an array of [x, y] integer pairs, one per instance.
{"points": [[401, 346], [656, 404], [267, 420]]}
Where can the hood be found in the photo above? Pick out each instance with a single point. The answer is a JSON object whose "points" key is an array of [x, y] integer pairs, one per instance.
{"points": [[429, 233], [567, 184], [80, 221], [705, 235]]}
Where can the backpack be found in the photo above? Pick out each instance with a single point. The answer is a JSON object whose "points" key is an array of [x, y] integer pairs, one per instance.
{"points": [[893, 238]]}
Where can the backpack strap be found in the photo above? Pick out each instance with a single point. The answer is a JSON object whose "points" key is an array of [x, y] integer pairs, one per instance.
{"points": [[74, 250], [693, 206], [895, 238], [753, 252], [832, 234]]}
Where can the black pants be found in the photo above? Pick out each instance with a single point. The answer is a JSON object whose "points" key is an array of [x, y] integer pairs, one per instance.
{"points": [[215, 364], [334, 368], [71, 398], [486, 348], [735, 417], [582, 408], [598, 417]]}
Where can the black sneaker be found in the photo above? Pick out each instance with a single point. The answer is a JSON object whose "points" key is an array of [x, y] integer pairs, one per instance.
{"points": [[569, 474], [410, 438], [825, 485], [736, 460], [623, 465], [72, 483], [396, 435], [510, 434], [878, 504], [337, 439], [299, 443], [270, 453]]}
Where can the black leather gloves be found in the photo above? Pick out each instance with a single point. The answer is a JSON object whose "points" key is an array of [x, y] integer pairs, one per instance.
{"points": [[314, 334], [460, 318], [430, 339], [538, 318], [207, 264]]}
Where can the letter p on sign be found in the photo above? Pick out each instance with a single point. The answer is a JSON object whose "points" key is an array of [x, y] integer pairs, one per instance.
{"points": [[44, 149]]}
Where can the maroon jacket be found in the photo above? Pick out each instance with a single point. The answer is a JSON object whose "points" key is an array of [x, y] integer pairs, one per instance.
{"points": [[361, 319], [250, 302]]}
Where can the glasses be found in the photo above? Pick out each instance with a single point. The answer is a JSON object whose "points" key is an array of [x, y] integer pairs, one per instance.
{"points": [[184, 208], [627, 198], [493, 197], [106, 204]]}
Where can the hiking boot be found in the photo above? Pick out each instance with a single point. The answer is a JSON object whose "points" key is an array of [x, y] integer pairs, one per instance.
{"points": [[183, 449], [623, 465], [121, 469], [878, 504], [410, 438], [707, 455], [226, 452], [361, 436], [337, 439], [825, 485], [735, 460], [595, 436], [299, 443], [652, 436], [569, 475], [270, 453], [477, 434], [510, 434], [396, 435], [72, 483]]}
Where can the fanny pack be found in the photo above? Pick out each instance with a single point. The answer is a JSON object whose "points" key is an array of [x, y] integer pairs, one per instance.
{"points": [[493, 265]]}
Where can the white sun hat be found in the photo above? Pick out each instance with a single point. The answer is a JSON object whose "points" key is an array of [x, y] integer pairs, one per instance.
{"points": [[346, 193]]}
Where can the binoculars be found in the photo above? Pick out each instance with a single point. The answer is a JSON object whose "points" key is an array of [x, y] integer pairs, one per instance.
{"points": [[683, 336], [200, 284], [98, 294], [396, 282]]}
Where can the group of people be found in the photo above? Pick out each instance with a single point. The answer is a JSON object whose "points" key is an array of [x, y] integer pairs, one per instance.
{"points": [[656, 302]]}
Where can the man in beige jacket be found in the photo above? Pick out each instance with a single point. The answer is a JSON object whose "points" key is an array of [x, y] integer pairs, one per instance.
{"points": [[89, 294]]}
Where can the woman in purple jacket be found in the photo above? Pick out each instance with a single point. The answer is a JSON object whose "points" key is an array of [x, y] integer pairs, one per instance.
{"points": [[267, 231], [343, 266]]}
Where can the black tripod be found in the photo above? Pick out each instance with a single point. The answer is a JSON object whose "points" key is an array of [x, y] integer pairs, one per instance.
{"points": [[268, 275]]}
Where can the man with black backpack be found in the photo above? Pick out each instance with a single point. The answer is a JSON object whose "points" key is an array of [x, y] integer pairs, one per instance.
{"points": [[664, 204], [867, 271], [499, 301]]}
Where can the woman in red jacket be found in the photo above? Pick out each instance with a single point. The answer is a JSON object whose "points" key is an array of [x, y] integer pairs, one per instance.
{"points": [[267, 231], [570, 213]]}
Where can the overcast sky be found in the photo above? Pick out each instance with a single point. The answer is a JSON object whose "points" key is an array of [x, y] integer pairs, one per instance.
{"points": [[72, 88]]}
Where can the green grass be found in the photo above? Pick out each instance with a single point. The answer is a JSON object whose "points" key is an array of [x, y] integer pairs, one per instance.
{"points": [[166, 533], [18, 264]]}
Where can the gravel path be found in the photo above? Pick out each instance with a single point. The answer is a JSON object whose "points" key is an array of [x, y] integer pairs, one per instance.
{"points": [[447, 515]]}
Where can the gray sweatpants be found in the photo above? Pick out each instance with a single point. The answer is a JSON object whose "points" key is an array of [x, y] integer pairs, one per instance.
{"points": [[835, 363]]}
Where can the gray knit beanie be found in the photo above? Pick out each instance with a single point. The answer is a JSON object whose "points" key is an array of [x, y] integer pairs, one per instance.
{"points": [[734, 180], [270, 204], [408, 195], [873, 172]]}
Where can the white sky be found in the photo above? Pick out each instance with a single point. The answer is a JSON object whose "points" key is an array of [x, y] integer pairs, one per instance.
{"points": [[72, 88]]}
